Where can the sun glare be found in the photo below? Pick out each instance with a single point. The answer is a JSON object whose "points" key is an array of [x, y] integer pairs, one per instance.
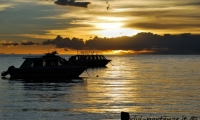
{"points": [[109, 25], [122, 51], [113, 29], [116, 32], [117, 51]]}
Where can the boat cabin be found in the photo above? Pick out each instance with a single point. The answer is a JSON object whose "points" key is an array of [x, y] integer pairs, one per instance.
{"points": [[43, 61], [87, 57], [89, 60]]}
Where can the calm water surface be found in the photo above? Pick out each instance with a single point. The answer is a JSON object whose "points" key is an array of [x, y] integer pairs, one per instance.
{"points": [[143, 85]]}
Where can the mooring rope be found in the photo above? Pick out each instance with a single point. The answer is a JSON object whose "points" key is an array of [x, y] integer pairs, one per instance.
{"points": [[87, 72]]}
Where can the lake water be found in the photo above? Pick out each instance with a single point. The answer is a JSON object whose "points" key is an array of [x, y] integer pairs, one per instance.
{"points": [[146, 86]]}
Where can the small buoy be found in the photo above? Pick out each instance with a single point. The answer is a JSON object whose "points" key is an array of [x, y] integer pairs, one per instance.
{"points": [[97, 76]]}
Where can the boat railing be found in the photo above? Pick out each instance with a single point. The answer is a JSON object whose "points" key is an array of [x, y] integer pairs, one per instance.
{"points": [[89, 53], [32, 57], [53, 54]]}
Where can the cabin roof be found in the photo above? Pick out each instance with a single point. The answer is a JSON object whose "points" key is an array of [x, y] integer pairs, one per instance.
{"points": [[47, 56], [88, 55]]}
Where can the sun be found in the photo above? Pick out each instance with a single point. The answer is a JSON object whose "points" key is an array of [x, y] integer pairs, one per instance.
{"points": [[114, 29], [115, 25]]}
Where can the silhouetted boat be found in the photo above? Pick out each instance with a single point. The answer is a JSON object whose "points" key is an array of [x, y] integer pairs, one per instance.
{"points": [[90, 60], [48, 66]]}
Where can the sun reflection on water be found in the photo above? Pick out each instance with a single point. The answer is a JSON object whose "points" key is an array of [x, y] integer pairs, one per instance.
{"points": [[118, 92]]}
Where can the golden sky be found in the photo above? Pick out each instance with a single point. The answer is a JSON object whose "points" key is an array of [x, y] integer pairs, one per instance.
{"points": [[37, 21]]}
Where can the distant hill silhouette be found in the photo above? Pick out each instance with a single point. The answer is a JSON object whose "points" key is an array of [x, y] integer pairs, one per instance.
{"points": [[185, 43]]}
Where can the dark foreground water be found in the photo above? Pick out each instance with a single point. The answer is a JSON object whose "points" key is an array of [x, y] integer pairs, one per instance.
{"points": [[146, 86]]}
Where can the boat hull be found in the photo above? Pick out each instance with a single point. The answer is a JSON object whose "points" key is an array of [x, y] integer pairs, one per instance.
{"points": [[50, 73]]}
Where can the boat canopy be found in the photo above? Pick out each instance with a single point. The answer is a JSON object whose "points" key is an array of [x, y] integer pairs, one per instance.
{"points": [[87, 57], [42, 61]]}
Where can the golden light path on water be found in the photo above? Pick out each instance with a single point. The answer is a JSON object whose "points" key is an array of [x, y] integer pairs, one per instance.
{"points": [[133, 86], [112, 93]]}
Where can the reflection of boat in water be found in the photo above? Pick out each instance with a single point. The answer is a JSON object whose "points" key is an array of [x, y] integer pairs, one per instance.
{"points": [[47, 66], [90, 60]]}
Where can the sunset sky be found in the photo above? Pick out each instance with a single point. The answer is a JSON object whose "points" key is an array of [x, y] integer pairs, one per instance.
{"points": [[37, 20]]}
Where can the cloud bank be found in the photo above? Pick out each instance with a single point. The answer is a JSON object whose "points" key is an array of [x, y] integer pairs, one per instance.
{"points": [[26, 42], [185, 43], [60, 42], [11, 43], [8, 44]]}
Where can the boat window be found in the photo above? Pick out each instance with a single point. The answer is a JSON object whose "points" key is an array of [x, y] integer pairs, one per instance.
{"points": [[84, 57], [88, 58], [50, 62], [102, 57], [93, 57], [44, 63], [54, 62], [76, 58], [81, 58], [24, 63], [97, 57], [37, 63], [60, 62], [63, 62], [73, 58]]}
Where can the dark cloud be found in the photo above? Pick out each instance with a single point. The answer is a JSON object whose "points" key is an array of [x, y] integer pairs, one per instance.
{"points": [[178, 14], [138, 13], [191, 3], [72, 3], [168, 44], [29, 43], [60, 42], [8, 44], [154, 25]]}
